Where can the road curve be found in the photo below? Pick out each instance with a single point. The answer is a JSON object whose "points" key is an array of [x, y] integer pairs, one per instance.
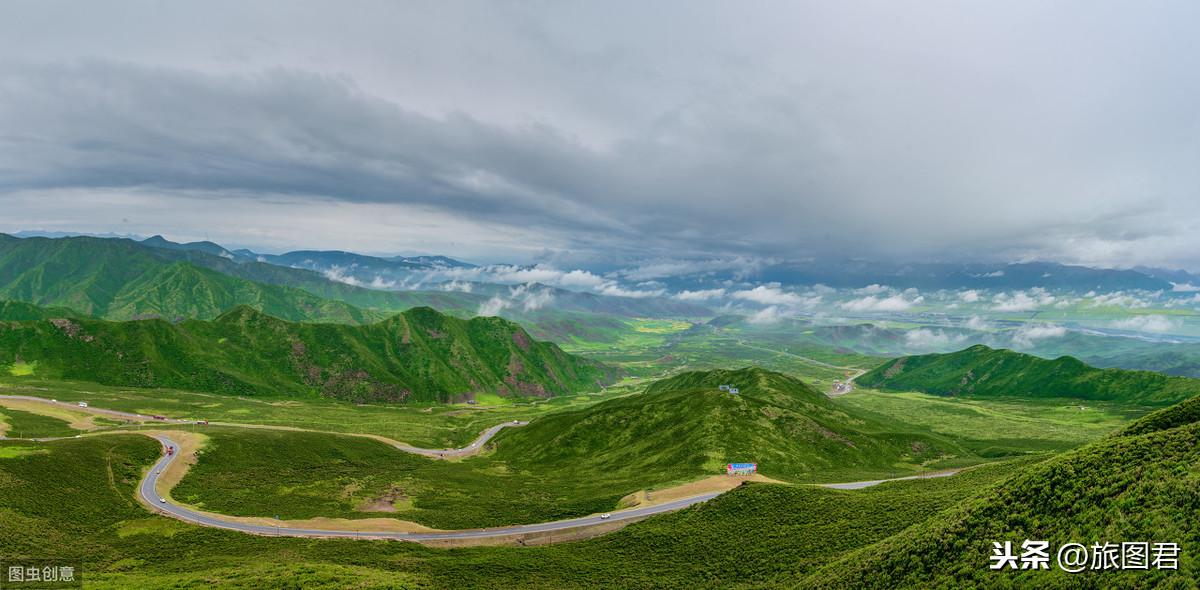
{"points": [[471, 449], [147, 491]]}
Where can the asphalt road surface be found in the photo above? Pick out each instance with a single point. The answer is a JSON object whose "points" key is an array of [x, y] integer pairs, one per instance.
{"points": [[470, 449], [858, 485], [148, 493]]}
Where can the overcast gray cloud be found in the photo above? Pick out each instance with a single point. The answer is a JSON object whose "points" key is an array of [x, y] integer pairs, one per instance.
{"points": [[532, 131]]}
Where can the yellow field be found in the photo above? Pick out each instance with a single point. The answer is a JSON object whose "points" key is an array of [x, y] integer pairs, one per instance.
{"points": [[22, 369], [660, 326]]}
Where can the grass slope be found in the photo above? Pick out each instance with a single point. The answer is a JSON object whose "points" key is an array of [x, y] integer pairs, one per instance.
{"points": [[74, 499], [684, 426], [1140, 485], [21, 424], [418, 355], [305, 475], [985, 372]]}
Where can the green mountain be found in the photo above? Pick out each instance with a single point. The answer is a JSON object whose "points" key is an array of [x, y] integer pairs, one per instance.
{"points": [[685, 426], [1141, 485], [121, 279], [418, 355], [986, 372]]}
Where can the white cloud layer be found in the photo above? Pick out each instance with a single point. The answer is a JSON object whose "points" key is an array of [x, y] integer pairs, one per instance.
{"points": [[1027, 335], [932, 339], [898, 302], [1159, 324]]}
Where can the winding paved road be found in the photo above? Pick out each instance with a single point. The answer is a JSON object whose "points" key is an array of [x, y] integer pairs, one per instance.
{"points": [[147, 490], [470, 449]]}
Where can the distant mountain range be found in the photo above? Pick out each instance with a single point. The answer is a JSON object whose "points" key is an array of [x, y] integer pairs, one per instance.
{"points": [[315, 258], [391, 272], [352, 267], [418, 355]]}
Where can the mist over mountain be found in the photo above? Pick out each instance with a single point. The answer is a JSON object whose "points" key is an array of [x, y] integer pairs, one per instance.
{"points": [[407, 272]]}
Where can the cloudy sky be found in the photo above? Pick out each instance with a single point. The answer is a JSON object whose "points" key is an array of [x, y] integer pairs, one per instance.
{"points": [[609, 131]]}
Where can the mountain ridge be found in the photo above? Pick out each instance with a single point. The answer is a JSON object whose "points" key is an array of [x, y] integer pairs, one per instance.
{"points": [[419, 355]]}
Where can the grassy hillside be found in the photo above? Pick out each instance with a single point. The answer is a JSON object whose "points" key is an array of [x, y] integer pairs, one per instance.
{"points": [[20, 424], [987, 372], [423, 425], [248, 472], [685, 426], [1180, 414], [1142, 485], [569, 463], [418, 355], [121, 279], [74, 498]]}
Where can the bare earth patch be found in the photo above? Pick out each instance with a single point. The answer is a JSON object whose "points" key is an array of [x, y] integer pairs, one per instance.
{"points": [[386, 502], [716, 483], [365, 525]]}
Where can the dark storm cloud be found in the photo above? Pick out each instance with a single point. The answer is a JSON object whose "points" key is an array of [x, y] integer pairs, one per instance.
{"points": [[940, 130], [113, 125], [110, 125]]}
